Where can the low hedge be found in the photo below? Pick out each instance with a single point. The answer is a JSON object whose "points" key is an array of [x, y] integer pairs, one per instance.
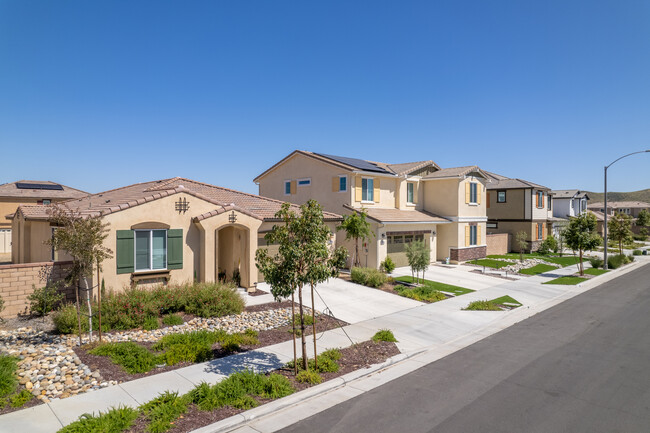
{"points": [[368, 277]]}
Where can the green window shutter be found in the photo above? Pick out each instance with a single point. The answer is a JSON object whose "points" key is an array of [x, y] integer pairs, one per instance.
{"points": [[124, 254], [175, 249]]}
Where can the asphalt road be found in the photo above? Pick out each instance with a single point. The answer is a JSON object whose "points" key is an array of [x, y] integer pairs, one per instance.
{"points": [[582, 366]]}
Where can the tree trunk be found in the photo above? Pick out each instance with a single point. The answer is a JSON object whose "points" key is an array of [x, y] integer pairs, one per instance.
{"points": [[313, 328], [99, 305], [76, 292], [356, 252], [303, 342], [293, 324], [90, 311], [582, 273]]}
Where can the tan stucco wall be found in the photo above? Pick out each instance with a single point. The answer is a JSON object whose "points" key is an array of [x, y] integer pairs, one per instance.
{"points": [[471, 210], [300, 166], [441, 196], [9, 206], [453, 236]]}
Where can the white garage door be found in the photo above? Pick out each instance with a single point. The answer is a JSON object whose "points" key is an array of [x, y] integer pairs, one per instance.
{"points": [[5, 241]]}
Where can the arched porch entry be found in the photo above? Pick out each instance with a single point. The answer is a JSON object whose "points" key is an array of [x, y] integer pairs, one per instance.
{"points": [[233, 254]]}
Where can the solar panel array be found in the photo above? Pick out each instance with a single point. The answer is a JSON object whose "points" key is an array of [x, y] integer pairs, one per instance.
{"points": [[45, 186], [356, 163]]}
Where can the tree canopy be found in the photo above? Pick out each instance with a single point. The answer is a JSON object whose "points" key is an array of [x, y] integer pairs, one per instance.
{"points": [[643, 219], [356, 227], [581, 235], [418, 255], [619, 229]]}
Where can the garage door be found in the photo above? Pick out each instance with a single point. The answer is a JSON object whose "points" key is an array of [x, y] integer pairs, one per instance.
{"points": [[5, 241], [397, 247]]}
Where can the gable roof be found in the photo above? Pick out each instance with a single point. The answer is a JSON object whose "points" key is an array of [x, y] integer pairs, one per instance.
{"points": [[453, 172], [619, 204], [498, 181], [569, 193], [355, 164], [118, 199], [39, 189]]}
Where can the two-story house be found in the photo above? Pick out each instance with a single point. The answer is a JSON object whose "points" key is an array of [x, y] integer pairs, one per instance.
{"points": [[567, 203], [515, 205], [404, 202]]}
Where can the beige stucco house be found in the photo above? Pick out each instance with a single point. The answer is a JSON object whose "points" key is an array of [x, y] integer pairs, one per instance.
{"points": [[404, 202], [167, 230], [515, 205], [28, 192]]}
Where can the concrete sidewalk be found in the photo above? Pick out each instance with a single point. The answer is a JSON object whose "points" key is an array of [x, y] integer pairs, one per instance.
{"points": [[425, 333]]}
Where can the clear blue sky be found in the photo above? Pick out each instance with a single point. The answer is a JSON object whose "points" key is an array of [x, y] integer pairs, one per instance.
{"points": [[101, 94]]}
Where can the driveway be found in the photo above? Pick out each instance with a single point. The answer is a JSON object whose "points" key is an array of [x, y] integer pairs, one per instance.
{"points": [[351, 302], [457, 275]]}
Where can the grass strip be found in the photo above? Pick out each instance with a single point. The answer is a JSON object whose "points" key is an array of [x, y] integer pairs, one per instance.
{"points": [[569, 280], [456, 290], [537, 269]]}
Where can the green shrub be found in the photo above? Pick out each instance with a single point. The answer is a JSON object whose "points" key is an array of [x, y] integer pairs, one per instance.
{"points": [[596, 262], [19, 399], [132, 357], [113, 421], [384, 335], [548, 246], [276, 386], [309, 376], [163, 410], [213, 300], [368, 277], [387, 266], [65, 319], [333, 354], [326, 362], [172, 319], [187, 353], [483, 306], [637, 252], [8, 380], [422, 293], [2, 305], [614, 262], [44, 300], [150, 323]]}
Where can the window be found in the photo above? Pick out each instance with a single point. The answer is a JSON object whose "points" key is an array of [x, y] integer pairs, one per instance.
{"points": [[304, 182], [540, 199], [501, 196], [410, 188], [150, 250], [472, 234], [549, 202], [367, 190], [473, 195], [287, 187], [343, 183], [540, 231]]}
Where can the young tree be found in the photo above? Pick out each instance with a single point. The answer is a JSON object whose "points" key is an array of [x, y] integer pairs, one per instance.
{"points": [[304, 257], [561, 239], [581, 235], [643, 219], [418, 255], [619, 230], [83, 239], [356, 227], [521, 238]]}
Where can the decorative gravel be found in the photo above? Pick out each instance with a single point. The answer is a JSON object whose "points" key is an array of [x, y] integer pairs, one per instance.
{"points": [[50, 369]]}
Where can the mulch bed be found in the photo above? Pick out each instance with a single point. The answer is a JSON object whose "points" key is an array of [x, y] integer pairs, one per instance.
{"points": [[110, 371], [361, 355]]}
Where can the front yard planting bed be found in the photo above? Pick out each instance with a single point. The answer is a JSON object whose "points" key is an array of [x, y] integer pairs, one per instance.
{"points": [[207, 404], [455, 290], [498, 304], [560, 261], [569, 280], [490, 263]]}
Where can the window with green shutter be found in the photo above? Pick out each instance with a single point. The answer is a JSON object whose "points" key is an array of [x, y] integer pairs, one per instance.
{"points": [[124, 254], [175, 249]]}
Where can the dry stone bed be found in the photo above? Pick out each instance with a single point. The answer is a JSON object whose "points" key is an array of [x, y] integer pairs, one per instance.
{"points": [[50, 369]]}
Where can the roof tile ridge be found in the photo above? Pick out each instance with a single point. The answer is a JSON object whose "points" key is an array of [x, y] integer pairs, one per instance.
{"points": [[163, 184]]}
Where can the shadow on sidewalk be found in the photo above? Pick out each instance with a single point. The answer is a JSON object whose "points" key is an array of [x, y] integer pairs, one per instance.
{"points": [[254, 360]]}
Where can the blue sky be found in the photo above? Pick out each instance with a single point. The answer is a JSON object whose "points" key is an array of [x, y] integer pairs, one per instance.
{"points": [[102, 94]]}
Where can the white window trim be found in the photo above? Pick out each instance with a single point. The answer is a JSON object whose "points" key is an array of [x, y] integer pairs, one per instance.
{"points": [[373, 189], [135, 263], [346, 182], [304, 179], [284, 187]]}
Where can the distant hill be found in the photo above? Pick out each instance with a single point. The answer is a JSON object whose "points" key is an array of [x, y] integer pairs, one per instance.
{"points": [[643, 195]]}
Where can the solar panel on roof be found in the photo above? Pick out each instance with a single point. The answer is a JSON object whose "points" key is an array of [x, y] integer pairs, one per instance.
{"points": [[356, 163], [45, 186]]}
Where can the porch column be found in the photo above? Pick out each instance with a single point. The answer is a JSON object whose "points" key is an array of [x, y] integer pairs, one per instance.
{"points": [[207, 261]]}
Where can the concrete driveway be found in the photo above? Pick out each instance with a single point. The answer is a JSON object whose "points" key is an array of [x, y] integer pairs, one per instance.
{"points": [[353, 302], [457, 275]]}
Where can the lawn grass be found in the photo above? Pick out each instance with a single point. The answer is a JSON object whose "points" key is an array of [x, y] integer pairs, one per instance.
{"points": [[494, 304], [456, 290], [594, 271], [569, 280], [491, 263], [537, 269]]}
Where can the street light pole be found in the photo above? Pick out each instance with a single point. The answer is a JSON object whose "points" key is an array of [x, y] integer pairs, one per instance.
{"points": [[605, 215]]}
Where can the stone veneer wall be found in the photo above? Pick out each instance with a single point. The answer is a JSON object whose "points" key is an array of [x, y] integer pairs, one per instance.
{"points": [[497, 243], [17, 282], [465, 254]]}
